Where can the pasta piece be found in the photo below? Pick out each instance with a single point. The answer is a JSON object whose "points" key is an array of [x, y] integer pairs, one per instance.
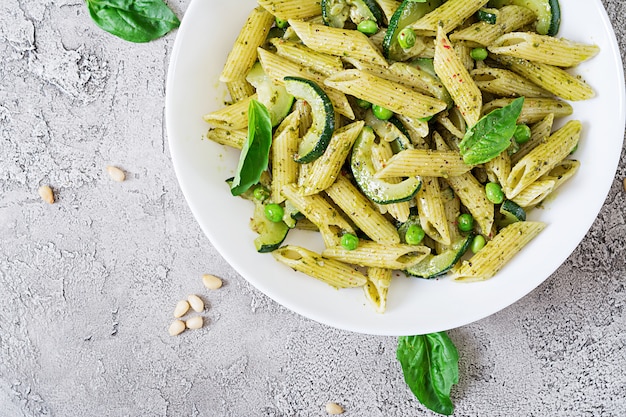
{"points": [[543, 49], [361, 212], [278, 68], [323, 63], [550, 78], [508, 19], [538, 133], [447, 16], [424, 162], [503, 82], [228, 137], [543, 158], [535, 109], [292, 9], [457, 131], [325, 169], [501, 249], [393, 96], [377, 286], [431, 210], [337, 42], [284, 147], [534, 193], [499, 168], [563, 171], [463, 52], [452, 210], [388, 7], [378, 255], [417, 129], [456, 78], [330, 271], [239, 89], [328, 220], [243, 55], [231, 117]]}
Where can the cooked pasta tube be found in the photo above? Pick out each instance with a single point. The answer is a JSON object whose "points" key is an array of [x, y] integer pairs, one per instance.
{"points": [[424, 162], [328, 220], [252, 35], [330, 271], [325, 169], [447, 16], [361, 212], [374, 254], [538, 133], [228, 137], [239, 89], [534, 109], [543, 158], [553, 79], [393, 96], [377, 286], [284, 147], [543, 49], [380, 155], [498, 251], [534, 194], [231, 117], [506, 83], [323, 63], [337, 42], [508, 18], [292, 9], [431, 210], [457, 80]]}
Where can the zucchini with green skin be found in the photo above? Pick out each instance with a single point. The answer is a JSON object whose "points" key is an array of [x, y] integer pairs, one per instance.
{"points": [[511, 212], [316, 139], [335, 13], [434, 266], [408, 12], [548, 13], [273, 96], [377, 190], [271, 234]]}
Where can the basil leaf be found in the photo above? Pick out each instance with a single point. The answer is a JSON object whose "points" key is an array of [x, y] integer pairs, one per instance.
{"points": [[255, 152], [491, 135], [133, 20], [430, 366]]}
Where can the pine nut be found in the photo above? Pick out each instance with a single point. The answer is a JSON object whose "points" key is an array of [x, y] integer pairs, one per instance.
{"points": [[46, 194], [195, 322], [196, 303], [116, 174], [181, 308], [211, 281], [334, 408], [176, 328], [624, 184]]}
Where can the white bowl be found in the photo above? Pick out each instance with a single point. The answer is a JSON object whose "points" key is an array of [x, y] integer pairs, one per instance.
{"points": [[415, 306]]}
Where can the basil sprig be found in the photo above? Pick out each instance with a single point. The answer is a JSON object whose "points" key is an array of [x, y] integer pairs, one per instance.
{"points": [[255, 153], [430, 366], [491, 135], [133, 20]]}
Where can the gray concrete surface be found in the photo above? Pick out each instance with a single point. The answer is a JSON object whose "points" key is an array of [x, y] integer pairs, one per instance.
{"points": [[87, 285]]}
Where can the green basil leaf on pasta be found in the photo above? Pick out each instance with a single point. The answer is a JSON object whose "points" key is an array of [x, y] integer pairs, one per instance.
{"points": [[133, 20], [430, 366], [254, 157], [491, 134]]}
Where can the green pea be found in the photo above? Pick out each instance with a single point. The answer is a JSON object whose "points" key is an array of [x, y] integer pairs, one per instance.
{"points": [[494, 192], [381, 112], [414, 235], [406, 38], [364, 104], [349, 241], [479, 54], [281, 23], [465, 222], [274, 212], [261, 193], [478, 243], [368, 27], [522, 134]]}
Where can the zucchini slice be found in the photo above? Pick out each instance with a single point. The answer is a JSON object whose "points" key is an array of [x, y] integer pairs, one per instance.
{"points": [[436, 265], [271, 234], [273, 96], [487, 15], [511, 212], [377, 190], [408, 12], [548, 13], [335, 13], [316, 139]]}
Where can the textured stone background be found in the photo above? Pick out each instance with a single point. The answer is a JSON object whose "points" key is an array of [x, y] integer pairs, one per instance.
{"points": [[87, 285]]}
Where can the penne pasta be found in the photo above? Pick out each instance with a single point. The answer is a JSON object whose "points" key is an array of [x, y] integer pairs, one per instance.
{"points": [[231, 117], [534, 109], [448, 16], [377, 286], [284, 147], [228, 137], [424, 162], [292, 9], [374, 254], [506, 83]]}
